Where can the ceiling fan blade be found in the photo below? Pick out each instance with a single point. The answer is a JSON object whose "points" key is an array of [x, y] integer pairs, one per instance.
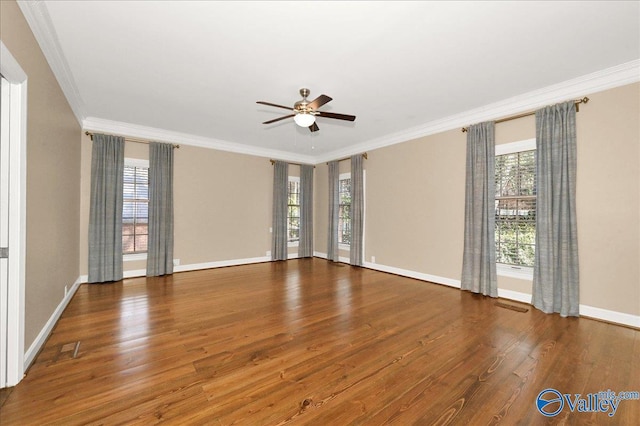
{"points": [[335, 115], [274, 105], [278, 119], [319, 101], [314, 127]]}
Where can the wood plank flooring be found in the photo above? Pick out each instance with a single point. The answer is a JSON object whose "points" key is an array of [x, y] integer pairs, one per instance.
{"points": [[311, 342]]}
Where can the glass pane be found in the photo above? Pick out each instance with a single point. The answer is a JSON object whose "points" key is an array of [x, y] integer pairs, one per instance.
{"points": [[127, 243], [142, 229], [128, 191], [142, 192], [128, 212], [128, 228], [141, 243], [142, 210]]}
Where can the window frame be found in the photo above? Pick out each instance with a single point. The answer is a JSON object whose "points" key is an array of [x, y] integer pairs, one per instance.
{"points": [[294, 243], [343, 246], [139, 163], [503, 269]]}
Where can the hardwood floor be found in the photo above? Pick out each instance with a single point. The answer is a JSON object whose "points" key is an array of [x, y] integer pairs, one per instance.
{"points": [[311, 342]]}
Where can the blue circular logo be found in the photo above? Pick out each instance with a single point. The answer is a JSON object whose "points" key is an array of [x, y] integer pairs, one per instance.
{"points": [[549, 402]]}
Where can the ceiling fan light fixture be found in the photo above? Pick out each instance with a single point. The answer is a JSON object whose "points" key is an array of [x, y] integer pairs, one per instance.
{"points": [[304, 119]]}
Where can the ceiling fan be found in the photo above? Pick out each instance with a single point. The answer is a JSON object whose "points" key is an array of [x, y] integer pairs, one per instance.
{"points": [[305, 112]]}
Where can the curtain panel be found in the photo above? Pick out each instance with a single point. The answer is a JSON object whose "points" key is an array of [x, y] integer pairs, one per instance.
{"points": [[279, 217], [357, 210], [160, 242], [334, 206], [305, 248], [105, 209], [555, 274], [479, 258]]}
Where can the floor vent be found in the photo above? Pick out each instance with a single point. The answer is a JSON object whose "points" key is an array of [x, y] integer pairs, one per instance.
{"points": [[512, 307], [68, 351]]}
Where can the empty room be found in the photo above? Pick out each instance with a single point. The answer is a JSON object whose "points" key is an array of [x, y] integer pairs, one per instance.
{"points": [[319, 212]]}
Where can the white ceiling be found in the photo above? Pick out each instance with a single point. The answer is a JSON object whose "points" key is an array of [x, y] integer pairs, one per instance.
{"points": [[192, 72]]}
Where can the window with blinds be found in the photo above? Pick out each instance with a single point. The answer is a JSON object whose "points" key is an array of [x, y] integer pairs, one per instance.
{"points": [[293, 210], [344, 210], [135, 210], [515, 202]]}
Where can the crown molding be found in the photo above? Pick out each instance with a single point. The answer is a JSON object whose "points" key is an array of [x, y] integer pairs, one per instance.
{"points": [[94, 124], [608, 78], [39, 20]]}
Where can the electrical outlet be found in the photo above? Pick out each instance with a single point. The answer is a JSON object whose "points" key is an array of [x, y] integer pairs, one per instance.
{"points": [[268, 253], [373, 259], [270, 230], [66, 290], [176, 262]]}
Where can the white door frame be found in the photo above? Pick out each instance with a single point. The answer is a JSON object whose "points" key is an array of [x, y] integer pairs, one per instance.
{"points": [[13, 73]]}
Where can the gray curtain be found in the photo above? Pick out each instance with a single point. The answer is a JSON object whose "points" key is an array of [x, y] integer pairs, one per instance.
{"points": [[305, 248], [105, 209], [357, 210], [555, 274], [160, 242], [280, 198], [479, 258], [334, 207]]}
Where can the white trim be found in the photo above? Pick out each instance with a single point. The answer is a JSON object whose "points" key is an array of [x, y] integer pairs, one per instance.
{"points": [[151, 133], [136, 162], [134, 257], [341, 259], [195, 266], [519, 272], [611, 316], [413, 274], [514, 295], [39, 20], [586, 311], [619, 75], [14, 74], [40, 340], [518, 146], [602, 80]]}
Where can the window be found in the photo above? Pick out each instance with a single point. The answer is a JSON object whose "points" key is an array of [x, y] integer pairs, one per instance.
{"points": [[293, 210], [515, 231], [135, 207], [344, 209]]}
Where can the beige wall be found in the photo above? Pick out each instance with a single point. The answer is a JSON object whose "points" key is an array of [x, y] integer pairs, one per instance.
{"points": [[415, 201], [53, 177], [222, 204]]}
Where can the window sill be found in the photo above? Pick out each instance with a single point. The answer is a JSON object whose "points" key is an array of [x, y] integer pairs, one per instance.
{"points": [[519, 272], [293, 243], [134, 257]]}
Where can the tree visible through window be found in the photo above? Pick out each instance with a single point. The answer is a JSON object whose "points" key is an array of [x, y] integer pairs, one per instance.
{"points": [[135, 210], [515, 231], [344, 212], [293, 210]]}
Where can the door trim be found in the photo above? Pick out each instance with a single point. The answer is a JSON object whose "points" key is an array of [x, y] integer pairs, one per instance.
{"points": [[14, 74]]}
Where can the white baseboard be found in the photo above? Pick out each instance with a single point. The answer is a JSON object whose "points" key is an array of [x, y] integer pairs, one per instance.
{"points": [[341, 259], [219, 264], [610, 316], [413, 274], [135, 273], [585, 310], [38, 343]]}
